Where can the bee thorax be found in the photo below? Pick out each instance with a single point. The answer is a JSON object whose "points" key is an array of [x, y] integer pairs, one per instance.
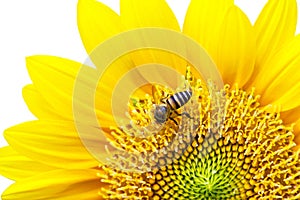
{"points": [[161, 113]]}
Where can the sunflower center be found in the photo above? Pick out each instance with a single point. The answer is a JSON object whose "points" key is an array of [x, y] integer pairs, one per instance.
{"points": [[221, 172], [249, 157]]}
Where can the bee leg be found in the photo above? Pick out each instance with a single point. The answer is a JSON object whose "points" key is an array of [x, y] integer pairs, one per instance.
{"points": [[184, 113], [174, 120], [187, 114]]}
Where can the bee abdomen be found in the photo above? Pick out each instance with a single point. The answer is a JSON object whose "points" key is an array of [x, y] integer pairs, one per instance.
{"points": [[179, 99]]}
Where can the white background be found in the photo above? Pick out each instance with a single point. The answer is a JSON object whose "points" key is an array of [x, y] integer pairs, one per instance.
{"points": [[49, 27]]}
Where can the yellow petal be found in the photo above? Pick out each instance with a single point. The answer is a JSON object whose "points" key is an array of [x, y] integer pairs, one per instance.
{"points": [[279, 80], [54, 143], [55, 77], [56, 185], [158, 59], [94, 90], [39, 105], [236, 48], [297, 127], [151, 13], [148, 13], [275, 26], [291, 116], [15, 166], [203, 22], [96, 23], [297, 133]]}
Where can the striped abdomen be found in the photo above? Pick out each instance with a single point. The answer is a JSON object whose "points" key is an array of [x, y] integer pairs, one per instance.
{"points": [[179, 99]]}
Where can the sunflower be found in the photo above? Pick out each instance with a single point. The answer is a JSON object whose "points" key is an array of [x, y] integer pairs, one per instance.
{"points": [[253, 154]]}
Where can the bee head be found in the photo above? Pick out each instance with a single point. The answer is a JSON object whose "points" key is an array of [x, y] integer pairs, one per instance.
{"points": [[161, 113]]}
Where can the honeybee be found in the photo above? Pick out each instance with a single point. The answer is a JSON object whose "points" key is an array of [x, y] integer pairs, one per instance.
{"points": [[170, 105]]}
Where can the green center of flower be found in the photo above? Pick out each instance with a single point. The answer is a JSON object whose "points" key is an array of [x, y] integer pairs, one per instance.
{"points": [[249, 157], [220, 172]]}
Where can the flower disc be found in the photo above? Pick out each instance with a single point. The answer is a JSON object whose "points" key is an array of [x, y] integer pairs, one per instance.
{"points": [[249, 157]]}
